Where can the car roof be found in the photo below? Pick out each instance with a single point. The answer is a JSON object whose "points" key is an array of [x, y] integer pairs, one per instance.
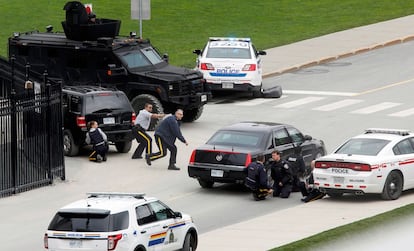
{"points": [[115, 202], [253, 126], [88, 89], [244, 39], [385, 134]]}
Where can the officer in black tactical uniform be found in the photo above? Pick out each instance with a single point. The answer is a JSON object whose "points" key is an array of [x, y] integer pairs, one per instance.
{"points": [[256, 179], [298, 166], [98, 139], [281, 174]]}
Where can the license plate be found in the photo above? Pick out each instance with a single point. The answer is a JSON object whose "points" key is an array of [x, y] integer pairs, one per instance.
{"points": [[75, 243], [203, 98], [217, 173], [227, 85], [339, 180], [109, 120]]}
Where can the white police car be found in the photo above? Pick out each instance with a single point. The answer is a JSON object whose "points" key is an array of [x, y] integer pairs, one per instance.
{"points": [[231, 64], [120, 221], [380, 161]]}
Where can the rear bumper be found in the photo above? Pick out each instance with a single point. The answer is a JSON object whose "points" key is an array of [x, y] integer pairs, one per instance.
{"points": [[119, 135], [247, 87], [229, 176]]}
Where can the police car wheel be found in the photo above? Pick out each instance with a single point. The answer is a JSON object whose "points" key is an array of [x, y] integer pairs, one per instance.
{"points": [[189, 243], [393, 186]]}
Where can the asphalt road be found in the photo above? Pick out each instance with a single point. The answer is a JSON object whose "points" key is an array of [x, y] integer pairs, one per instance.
{"points": [[332, 102]]}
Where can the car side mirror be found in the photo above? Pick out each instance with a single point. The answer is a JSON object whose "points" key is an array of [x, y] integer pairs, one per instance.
{"points": [[166, 58], [261, 53], [198, 52], [178, 215], [308, 137]]}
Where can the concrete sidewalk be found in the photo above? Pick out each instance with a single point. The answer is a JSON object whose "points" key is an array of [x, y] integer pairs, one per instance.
{"points": [[337, 45], [264, 233]]}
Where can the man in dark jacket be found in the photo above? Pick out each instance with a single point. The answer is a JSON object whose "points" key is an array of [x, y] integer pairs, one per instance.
{"points": [[297, 163], [256, 179], [281, 174], [165, 135]]}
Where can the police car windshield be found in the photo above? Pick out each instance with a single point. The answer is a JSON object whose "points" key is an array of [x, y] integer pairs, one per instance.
{"points": [[141, 58], [236, 53], [236, 138], [369, 147]]}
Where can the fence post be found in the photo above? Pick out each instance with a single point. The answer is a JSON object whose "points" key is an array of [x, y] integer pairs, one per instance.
{"points": [[48, 112], [13, 125]]}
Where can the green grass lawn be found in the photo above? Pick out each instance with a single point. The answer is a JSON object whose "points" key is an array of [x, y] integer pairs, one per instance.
{"points": [[179, 27], [356, 228]]}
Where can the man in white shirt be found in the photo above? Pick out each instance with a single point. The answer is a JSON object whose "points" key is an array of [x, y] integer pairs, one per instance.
{"points": [[142, 123]]}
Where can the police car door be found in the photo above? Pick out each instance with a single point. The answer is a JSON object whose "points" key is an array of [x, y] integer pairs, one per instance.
{"points": [[151, 233], [173, 226]]}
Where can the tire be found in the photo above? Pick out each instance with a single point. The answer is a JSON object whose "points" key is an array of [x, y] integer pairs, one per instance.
{"points": [[393, 186], [190, 243], [123, 146], [193, 114], [335, 194], [140, 248], [70, 148], [205, 183], [138, 104]]}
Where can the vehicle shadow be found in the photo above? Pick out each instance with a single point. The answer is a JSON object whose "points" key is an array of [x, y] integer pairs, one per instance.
{"points": [[367, 198]]}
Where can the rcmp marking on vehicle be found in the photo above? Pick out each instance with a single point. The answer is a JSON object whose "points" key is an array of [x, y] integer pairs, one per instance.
{"points": [[157, 238]]}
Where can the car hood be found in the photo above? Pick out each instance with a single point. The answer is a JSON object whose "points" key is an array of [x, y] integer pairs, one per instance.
{"points": [[171, 73]]}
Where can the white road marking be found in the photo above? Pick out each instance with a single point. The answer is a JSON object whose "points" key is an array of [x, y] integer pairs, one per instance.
{"points": [[376, 108], [322, 93], [403, 113], [253, 102], [299, 102], [337, 105]]}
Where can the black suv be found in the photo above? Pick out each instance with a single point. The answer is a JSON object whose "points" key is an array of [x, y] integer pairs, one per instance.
{"points": [[87, 54], [110, 108]]}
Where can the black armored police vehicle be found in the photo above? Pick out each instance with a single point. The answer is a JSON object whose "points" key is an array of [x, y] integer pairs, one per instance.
{"points": [[90, 53]]}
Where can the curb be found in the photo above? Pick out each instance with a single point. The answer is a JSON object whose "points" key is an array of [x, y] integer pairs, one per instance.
{"points": [[340, 56]]}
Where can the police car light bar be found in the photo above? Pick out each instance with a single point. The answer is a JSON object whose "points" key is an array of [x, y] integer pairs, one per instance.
{"points": [[402, 132], [244, 39], [115, 194]]}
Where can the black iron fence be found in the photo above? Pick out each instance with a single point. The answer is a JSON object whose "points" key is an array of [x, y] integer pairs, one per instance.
{"points": [[31, 141]]}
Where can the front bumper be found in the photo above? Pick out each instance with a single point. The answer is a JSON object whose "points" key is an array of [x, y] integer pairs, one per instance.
{"points": [[192, 101]]}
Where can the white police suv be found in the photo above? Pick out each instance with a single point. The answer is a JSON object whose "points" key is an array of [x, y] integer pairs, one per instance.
{"points": [[231, 64], [380, 161], [120, 221]]}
